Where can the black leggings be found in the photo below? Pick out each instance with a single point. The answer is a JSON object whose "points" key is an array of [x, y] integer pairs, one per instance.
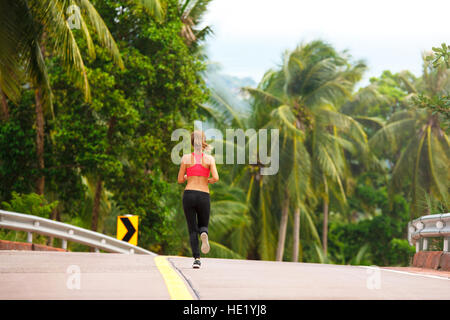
{"points": [[196, 205]]}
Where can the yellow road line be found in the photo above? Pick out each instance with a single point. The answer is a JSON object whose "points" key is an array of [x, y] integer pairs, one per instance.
{"points": [[175, 285]]}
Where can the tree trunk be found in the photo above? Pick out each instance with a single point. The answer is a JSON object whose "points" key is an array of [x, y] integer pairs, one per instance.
{"points": [[40, 184], [325, 219], [283, 226], [4, 106], [296, 235], [99, 187], [96, 207], [53, 216]]}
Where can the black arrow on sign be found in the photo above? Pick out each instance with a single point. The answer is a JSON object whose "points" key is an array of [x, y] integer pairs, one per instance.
{"points": [[130, 229]]}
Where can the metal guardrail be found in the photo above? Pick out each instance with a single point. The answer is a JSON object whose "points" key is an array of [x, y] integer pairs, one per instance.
{"points": [[66, 232], [431, 226]]}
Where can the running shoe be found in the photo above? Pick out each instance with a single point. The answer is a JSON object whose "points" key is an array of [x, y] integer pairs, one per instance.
{"points": [[205, 243], [196, 264]]}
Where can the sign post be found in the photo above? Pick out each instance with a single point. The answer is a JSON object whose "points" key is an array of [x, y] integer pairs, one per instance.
{"points": [[127, 229]]}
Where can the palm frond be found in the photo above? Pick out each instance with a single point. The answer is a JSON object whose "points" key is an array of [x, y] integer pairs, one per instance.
{"points": [[154, 7], [392, 134], [269, 98], [409, 86], [218, 250], [438, 162], [219, 100], [105, 37], [66, 47], [21, 57], [283, 118], [416, 173], [362, 252], [87, 37], [376, 121], [267, 238], [199, 9], [322, 258]]}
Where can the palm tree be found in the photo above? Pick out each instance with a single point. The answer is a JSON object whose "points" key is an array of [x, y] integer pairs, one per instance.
{"points": [[103, 201], [254, 239], [300, 100], [416, 140], [312, 81], [191, 13], [33, 29], [422, 151], [263, 192], [418, 143]]}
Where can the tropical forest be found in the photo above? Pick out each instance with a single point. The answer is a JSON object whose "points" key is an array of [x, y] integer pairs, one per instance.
{"points": [[92, 90]]}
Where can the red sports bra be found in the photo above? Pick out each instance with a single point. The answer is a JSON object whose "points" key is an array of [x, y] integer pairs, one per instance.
{"points": [[197, 169]]}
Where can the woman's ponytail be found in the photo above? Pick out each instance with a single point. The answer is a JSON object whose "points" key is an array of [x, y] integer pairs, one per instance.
{"points": [[198, 139]]}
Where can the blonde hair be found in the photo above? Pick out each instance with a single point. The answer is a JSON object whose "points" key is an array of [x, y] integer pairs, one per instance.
{"points": [[196, 140]]}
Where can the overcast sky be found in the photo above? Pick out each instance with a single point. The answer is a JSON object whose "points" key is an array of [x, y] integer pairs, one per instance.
{"points": [[250, 35]]}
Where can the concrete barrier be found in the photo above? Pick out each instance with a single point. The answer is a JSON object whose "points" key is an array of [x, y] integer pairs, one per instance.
{"points": [[437, 260], [13, 245], [41, 247], [445, 261]]}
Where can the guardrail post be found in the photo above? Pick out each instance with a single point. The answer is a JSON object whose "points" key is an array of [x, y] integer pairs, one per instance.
{"points": [[97, 250], [446, 244], [64, 244], [29, 237], [419, 245], [425, 244], [410, 230]]}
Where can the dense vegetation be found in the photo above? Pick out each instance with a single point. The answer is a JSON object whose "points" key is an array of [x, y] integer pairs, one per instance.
{"points": [[85, 136]]}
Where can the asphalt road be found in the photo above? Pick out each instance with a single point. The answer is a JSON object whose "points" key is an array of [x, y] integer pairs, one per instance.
{"points": [[57, 275]]}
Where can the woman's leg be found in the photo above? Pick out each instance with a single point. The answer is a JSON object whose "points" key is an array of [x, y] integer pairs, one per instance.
{"points": [[189, 200], [203, 211]]}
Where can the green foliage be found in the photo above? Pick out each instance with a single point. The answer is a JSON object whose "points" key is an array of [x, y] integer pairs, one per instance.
{"points": [[30, 204], [383, 236], [383, 96], [441, 56], [137, 89], [414, 140], [439, 105], [31, 26], [17, 151], [378, 238], [400, 252], [121, 135]]}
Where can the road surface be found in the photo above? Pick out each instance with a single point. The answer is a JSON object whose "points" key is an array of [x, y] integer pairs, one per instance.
{"points": [[57, 275]]}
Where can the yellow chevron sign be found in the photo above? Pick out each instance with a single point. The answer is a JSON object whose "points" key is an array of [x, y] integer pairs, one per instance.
{"points": [[127, 229]]}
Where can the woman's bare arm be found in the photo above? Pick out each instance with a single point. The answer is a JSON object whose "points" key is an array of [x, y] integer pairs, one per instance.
{"points": [[182, 173], [214, 173]]}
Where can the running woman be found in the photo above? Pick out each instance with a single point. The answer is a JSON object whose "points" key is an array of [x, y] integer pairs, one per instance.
{"points": [[196, 168]]}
